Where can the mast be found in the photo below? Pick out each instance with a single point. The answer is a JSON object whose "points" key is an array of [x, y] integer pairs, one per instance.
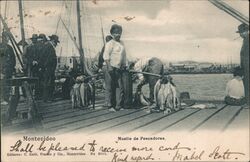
{"points": [[80, 34], [82, 59], [21, 21], [103, 39]]}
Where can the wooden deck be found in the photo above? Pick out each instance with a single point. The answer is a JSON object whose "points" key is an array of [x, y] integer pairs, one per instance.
{"points": [[58, 118]]}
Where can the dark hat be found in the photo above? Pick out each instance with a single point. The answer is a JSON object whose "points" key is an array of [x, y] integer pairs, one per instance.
{"points": [[238, 71], [115, 26], [43, 37], [34, 36], [55, 38], [242, 28]]}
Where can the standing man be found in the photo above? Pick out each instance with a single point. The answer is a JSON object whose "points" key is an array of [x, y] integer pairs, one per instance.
{"points": [[50, 63], [115, 58], [100, 57], [31, 57], [41, 56], [8, 63], [41, 43], [243, 30]]}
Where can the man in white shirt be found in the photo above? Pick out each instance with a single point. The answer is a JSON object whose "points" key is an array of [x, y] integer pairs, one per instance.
{"points": [[115, 58], [140, 66], [235, 94]]}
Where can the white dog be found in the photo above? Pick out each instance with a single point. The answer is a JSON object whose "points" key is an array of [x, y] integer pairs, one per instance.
{"points": [[81, 93], [166, 96]]}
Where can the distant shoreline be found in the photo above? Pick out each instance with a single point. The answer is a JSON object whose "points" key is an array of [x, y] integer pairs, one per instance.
{"points": [[200, 73]]}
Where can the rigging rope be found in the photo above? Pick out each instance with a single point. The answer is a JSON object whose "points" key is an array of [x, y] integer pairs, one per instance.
{"points": [[5, 10], [57, 25], [231, 11]]}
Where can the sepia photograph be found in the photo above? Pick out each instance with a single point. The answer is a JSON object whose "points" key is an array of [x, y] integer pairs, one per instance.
{"points": [[124, 80]]}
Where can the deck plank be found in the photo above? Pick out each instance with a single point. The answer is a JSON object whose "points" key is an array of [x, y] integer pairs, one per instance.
{"points": [[65, 109], [142, 123], [164, 122], [189, 123], [17, 127], [240, 121], [71, 121], [100, 127], [55, 109], [68, 110], [54, 103], [97, 119], [47, 108], [69, 114], [220, 119]]}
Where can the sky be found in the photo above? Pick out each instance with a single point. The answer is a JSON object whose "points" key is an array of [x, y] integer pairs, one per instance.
{"points": [[172, 30]]}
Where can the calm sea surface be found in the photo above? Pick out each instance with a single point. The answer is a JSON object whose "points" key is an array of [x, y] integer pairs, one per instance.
{"points": [[201, 86]]}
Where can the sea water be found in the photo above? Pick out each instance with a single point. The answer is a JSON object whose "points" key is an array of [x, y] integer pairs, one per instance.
{"points": [[200, 86]]}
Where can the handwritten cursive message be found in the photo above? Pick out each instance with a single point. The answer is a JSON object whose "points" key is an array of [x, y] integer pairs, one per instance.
{"points": [[119, 151]]}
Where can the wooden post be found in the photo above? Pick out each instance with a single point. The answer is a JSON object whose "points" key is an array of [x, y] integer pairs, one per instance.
{"points": [[21, 22]]}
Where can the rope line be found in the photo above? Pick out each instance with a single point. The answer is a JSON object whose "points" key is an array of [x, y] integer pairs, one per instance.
{"points": [[231, 11]]}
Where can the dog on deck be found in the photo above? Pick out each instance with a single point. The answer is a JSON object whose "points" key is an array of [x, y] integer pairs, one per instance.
{"points": [[81, 93], [166, 96]]}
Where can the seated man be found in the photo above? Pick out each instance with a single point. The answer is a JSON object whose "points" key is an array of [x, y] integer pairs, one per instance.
{"points": [[235, 94]]}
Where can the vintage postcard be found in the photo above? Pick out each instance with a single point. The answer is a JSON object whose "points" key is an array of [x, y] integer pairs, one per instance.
{"points": [[124, 80]]}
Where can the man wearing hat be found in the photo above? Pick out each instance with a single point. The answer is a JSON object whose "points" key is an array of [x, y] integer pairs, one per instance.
{"points": [[243, 30], [115, 58], [40, 45], [41, 41], [50, 63], [31, 57], [42, 38]]}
